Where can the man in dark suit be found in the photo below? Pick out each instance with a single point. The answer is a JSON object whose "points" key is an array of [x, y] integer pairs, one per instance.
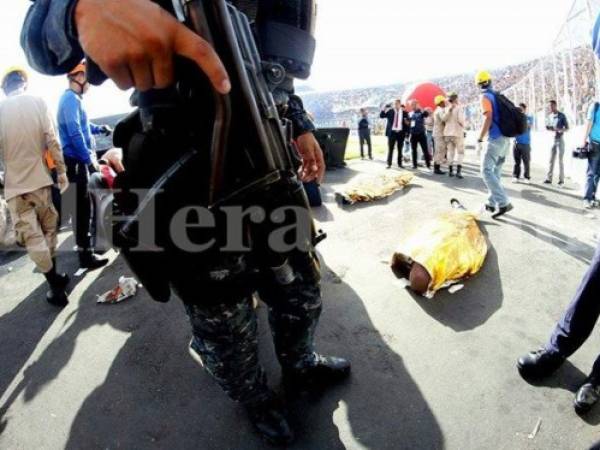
{"points": [[364, 133], [396, 129]]}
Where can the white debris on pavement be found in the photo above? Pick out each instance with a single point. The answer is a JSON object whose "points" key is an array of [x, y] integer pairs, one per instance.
{"points": [[536, 429], [455, 288], [126, 288]]}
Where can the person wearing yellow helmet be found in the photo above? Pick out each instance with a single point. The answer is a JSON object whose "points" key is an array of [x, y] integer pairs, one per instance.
{"points": [[438, 134], [27, 131], [496, 150], [14, 77], [483, 78]]}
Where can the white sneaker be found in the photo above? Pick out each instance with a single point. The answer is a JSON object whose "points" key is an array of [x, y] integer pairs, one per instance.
{"points": [[587, 204], [526, 181], [515, 180]]}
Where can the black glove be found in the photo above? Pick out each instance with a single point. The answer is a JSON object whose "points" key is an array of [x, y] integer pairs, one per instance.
{"points": [[106, 130]]}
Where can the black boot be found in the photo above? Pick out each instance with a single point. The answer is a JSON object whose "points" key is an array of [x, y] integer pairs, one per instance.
{"points": [[268, 419], [63, 277], [451, 171], [437, 169], [587, 396], [91, 261], [539, 364], [56, 295], [459, 172], [326, 371], [503, 210]]}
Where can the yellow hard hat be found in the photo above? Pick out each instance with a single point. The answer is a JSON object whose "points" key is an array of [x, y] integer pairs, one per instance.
{"points": [[439, 99], [14, 69], [483, 76], [77, 69]]}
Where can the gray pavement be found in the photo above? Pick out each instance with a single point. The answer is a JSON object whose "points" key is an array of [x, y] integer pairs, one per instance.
{"points": [[427, 374]]}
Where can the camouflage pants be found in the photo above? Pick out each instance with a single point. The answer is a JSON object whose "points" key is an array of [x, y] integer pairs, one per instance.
{"points": [[225, 334], [36, 222]]}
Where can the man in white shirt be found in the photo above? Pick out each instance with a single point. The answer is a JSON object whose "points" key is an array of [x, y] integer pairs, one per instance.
{"points": [[396, 129]]}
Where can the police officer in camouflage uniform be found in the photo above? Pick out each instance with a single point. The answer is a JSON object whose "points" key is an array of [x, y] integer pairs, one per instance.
{"points": [[134, 42]]}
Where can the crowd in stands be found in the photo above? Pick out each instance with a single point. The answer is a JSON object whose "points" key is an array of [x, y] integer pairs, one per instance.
{"points": [[341, 108]]}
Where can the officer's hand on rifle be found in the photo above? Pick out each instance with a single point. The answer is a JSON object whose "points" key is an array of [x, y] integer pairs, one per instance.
{"points": [[134, 41], [313, 163]]}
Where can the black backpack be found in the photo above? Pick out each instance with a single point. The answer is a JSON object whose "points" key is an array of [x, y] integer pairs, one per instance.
{"points": [[512, 121]]}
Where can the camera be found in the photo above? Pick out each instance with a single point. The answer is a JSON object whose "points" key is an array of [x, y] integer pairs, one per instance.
{"points": [[582, 152]]}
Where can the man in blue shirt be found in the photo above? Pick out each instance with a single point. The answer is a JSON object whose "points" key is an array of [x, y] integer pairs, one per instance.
{"points": [[496, 150], [592, 136], [76, 132], [522, 150]]}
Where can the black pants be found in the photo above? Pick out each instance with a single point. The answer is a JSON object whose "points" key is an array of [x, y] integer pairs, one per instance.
{"points": [[581, 316], [365, 138], [419, 139], [395, 138], [522, 153], [56, 197], [78, 202]]}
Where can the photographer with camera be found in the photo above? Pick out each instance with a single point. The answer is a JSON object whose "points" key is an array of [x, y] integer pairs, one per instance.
{"points": [[592, 145]]}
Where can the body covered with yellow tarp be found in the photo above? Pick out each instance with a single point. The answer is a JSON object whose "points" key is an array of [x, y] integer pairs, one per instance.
{"points": [[374, 187], [450, 247]]}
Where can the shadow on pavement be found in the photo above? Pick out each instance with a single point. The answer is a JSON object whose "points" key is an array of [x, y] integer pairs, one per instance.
{"points": [[322, 213], [472, 306], [381, 406], [571, 246], [568, 378], [22, 328], [154, 396], [539, 197], [20, 332], [567, 192], [6, 257]]}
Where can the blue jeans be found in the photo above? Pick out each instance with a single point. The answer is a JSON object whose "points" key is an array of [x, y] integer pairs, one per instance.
{"points": [[593, 173], [492, 161], [578, 321]]}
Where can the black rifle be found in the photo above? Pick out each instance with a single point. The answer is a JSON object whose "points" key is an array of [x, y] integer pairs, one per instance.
{"points": [[247, 131]]}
